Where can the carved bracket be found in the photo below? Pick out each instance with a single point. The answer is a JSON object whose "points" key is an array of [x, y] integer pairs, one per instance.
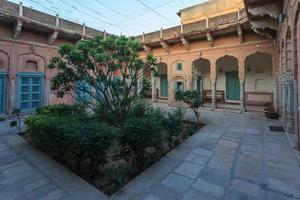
{"points": [[52, 37], [240, 33], [17, 29], [210, 38], [185, 42], [147, 48], [165, 46]]}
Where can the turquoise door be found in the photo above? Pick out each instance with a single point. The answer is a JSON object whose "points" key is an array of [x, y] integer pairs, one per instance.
{"points": [[232, 86], [2, 94], [163, 86]]}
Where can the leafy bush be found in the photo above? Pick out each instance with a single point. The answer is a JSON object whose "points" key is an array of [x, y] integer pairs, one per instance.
{"points": [[76, 111], [103, 114], [191, 98], [143, 129], [81, 145], [116, 174], [173, 124]]}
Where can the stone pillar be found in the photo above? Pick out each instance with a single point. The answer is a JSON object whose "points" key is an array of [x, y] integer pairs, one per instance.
{"points": [[47, 92], [296, 112], [275, 94], [242, 76], [213, 78], [290, 106], [283, 101], [12, 92], [242, 96], [154, 95], [213, 95]]}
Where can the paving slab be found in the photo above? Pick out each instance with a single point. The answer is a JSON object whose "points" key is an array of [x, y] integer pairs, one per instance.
{"points": [[233, 157], [24, 173]]}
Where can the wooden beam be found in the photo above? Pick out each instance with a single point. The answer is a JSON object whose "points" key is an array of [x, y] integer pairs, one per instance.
{"points": [[210, 38], [165, 46], [52, 37], [185, 42], [240, 33], [17, 29]]}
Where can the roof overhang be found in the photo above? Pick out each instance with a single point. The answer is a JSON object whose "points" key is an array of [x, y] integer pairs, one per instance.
{"points": [[264, 16]]}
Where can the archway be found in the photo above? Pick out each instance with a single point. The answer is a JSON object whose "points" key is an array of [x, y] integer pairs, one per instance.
{"points": [[201, 78], [4, 68], [227, 80], [259, 80]]}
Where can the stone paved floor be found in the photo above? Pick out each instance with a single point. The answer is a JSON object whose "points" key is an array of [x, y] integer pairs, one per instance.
{"points": [[27, 174], [234, 157]]}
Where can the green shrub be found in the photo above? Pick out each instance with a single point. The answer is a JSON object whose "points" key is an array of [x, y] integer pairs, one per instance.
{"points": [[192, 98], [76, 111], [103, 114], [81, 145], [173, 124], [143, 129]]}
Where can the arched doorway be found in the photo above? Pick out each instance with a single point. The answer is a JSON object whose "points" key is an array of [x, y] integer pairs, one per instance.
{"points": [[162, 83], [227, 80], [259, 80], [201, 78]]}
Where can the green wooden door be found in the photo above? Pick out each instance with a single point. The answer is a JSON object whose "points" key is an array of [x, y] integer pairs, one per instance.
{"points": [[163, 86], [232, 86]]}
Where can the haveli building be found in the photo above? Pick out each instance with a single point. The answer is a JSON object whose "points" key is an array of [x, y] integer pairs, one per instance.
{"points": [[235, 52]]}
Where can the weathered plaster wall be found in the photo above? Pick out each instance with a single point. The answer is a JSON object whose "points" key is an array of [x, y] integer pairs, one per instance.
{"points": [[15, 54], [227, 45], [210, 9]]}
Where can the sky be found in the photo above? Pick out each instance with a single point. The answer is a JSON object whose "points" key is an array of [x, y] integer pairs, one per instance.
{"points": [[126, 17]]}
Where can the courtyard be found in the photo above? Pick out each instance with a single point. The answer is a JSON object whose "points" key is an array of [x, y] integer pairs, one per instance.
{"points": [[235, 156], [149, 100]]}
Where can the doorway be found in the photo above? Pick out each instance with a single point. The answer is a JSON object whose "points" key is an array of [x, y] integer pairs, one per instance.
{"points": [[232, 86], [163, 86]]}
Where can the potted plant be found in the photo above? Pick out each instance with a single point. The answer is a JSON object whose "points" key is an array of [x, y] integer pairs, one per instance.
{"points": [[270, 111]]}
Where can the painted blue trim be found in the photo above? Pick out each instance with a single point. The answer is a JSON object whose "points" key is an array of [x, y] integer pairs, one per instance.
{"points": [[29, 75], [3, 75]]}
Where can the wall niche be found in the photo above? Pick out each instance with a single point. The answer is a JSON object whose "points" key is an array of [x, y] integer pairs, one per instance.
{"points": [[31, 65]]}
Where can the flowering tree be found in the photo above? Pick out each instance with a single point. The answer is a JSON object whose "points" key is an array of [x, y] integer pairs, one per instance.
{"points": [[107, 70]]}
